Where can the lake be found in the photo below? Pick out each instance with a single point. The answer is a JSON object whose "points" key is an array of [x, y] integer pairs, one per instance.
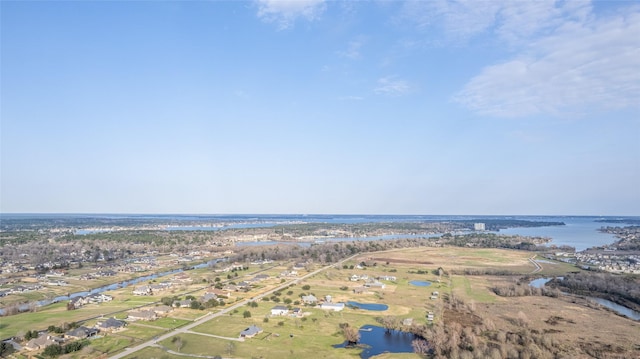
{"points": [[420, 283], [377, 341]]}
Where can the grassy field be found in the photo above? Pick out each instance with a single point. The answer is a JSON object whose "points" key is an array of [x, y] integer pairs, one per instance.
{"points": [[314, 335]]}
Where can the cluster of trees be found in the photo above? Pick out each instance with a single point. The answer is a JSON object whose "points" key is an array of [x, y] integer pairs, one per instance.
{"points": [[622, 289], [524, 290], [55, 350]]}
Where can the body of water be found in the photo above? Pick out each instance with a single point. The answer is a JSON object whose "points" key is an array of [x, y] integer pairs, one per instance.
{"points": [[620, 309], [377, 340], [420, 283], [578, 232], [368, 306]]}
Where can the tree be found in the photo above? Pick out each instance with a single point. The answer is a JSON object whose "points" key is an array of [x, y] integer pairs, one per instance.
{"points": [[6, 349], [178, 342], [351, 334], [246, 314], [421, 347], [306, 287], [52, 350]]}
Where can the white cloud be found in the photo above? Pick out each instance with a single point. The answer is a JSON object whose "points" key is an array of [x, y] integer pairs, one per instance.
{"points": [[512, 21], [392, 86], [284, 13], [583, 64], [353, 49]]}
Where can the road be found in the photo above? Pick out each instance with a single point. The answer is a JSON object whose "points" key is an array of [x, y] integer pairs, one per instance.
{"points": [[538, 265], [210, 315]]}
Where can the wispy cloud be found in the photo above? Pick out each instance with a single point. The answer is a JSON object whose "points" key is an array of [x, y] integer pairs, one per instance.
{"points": [[351, 98], [284, 13], [353, 49], [392, 86], [581, 65]]}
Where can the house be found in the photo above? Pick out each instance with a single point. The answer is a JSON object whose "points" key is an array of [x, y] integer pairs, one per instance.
{"points": [[185, 303], [354, 278], [99, 298], [336, 307], [208, 296], [111, 325], [81, 332], [230, 288], [374, 284], [359, 290], [297, 312], [77, 302], [434, 293], [250, 332], [244, 285], [162, 309], [142, 290], [279, 310], [42, 342], [261, 277], [142, 315], [387, 277], [309, 299]]}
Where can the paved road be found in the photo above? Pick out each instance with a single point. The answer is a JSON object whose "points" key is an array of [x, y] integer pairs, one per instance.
{"points": [[210, 315]]}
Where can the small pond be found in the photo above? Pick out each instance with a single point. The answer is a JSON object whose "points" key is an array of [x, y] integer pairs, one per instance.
{"points": [[420, 283], [368, 306], [376, 340]]}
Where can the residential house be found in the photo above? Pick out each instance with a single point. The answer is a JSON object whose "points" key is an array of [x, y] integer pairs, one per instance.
{"points": [[279, 310], [387, 277], [261, 277], [309, 299], [297, 312], [185, 303], [374, 284], [111, 325], [142, 315], [142, 290], [81, 332], [250, 332], [162, 310], [42, 342]]}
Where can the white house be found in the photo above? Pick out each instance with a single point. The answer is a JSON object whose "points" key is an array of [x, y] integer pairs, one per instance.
{"points": [[279, 310]]}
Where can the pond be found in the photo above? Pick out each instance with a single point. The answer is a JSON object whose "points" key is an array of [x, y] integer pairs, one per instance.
{"points": [[376, 340], [368, 306], [420, 283]]}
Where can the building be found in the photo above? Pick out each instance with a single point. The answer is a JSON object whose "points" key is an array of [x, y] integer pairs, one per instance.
{"points": [[279, 310], [81, 332], [309, 299], [478, 227], [111, 325], [250, 332], [143, 315]]}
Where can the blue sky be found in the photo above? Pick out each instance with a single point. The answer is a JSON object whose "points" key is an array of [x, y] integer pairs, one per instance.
{"points": [[430, 107]]}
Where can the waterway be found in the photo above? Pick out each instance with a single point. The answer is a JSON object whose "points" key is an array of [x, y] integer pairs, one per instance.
{"points": [[376, 340], [114, 286], [620, 309]]}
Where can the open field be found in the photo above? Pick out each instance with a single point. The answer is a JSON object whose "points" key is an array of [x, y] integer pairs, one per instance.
{"points": [[574, 325]]}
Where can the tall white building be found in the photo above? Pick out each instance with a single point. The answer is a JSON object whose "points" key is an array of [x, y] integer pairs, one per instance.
{"points": [[478, 226]]}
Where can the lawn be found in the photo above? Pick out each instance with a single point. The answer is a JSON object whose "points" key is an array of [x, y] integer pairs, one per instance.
{"points": [[472, 288], [111, 343]]}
